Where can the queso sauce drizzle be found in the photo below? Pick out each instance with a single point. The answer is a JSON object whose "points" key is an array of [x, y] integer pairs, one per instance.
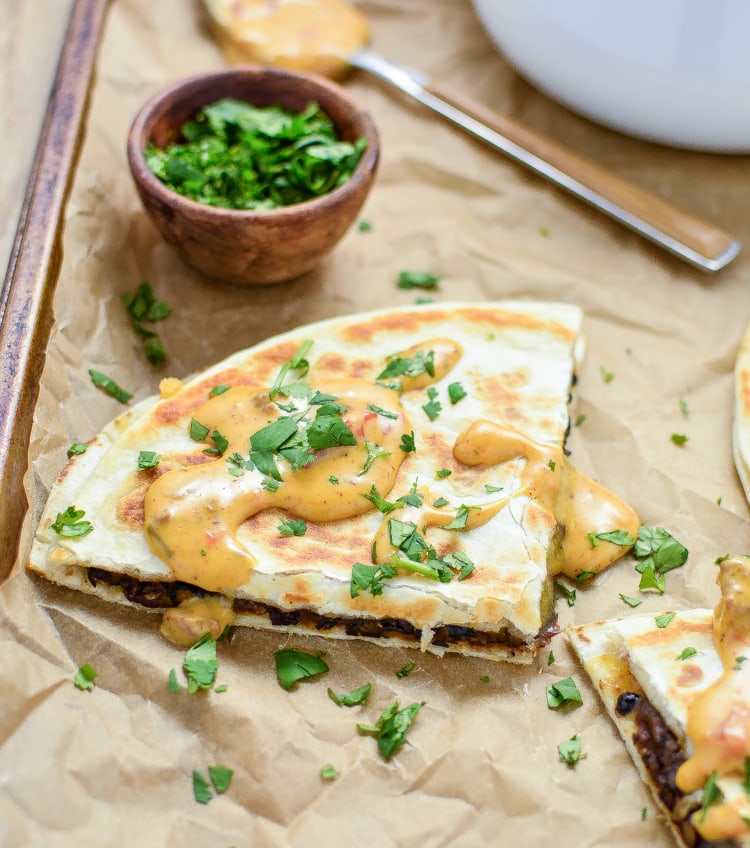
{"points": [[192, 514], [718, 720], [579, 504], [317, 36]]}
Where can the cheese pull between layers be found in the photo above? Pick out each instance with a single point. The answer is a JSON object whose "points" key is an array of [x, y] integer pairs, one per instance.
{"points": [[718, 720]]}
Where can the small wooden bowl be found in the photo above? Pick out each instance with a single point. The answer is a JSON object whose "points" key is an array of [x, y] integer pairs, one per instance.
{"points": [[251, 247]]}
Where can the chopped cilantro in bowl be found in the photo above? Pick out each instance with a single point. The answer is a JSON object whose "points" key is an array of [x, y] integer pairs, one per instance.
{"points": [[238, 156], [275, 166]]}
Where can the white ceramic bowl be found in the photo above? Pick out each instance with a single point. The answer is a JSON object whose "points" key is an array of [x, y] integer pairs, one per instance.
{"points": [[671, 71]]}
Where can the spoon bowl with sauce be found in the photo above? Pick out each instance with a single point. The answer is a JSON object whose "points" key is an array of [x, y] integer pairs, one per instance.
{"points": [[272, 242]]}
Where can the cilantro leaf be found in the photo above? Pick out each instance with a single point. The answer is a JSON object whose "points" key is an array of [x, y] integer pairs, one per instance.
{"points": [[563, 692], [407, 443], [570, 751], [657, 548], [417, 280], [406, 670], [221, 777], [201, 789], [292, 666], [297, 363], [456, 392], [77, 448], [84, 678], [617, 537], [433, 407], [293, 527], [200, 664], [631, 602], [566, 592], [108, 385], [329, 431], [711, 795], [328, 772], [369, 578], [391, 727], [663, 620], [148, 459], [351, 699], [70, 523]]}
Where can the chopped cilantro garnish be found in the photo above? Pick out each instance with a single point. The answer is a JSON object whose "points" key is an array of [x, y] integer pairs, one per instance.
{"points": [[293, 527], [443, 472], [550, 658], [386, 413], [440, 502], [684, 407], [663, 620], [461, 518], [485, 678], [658, 552], [351, 699], [570, 751], [687, 653], [297, 363], [607, 376], [201, 788], [172, 683], [491, 489], [108, 385], [566, 592], [70, 523], [218, 390], [221, 777], [142, 305], [200, 664], [292, 666], [433, 407], [148, 459], [456, 392], [364, 226], [328, 772], [679, 439], [417, 280], [580, 418], [391, 727], [616, 537], [711, 795], [651, 579], [631, 602], [407, 442], [374, 451], [399, 366], [197, 431], [369, 578], [77, 448], [84, 678], [563, 692], [406, 670], [238, 156]]}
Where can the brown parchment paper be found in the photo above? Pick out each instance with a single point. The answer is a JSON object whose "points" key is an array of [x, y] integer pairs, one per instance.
{"points": [[113, 767]]}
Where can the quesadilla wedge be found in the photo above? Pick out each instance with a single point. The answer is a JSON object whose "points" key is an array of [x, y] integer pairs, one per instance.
{"points": [[397, 476], [677, 687]]}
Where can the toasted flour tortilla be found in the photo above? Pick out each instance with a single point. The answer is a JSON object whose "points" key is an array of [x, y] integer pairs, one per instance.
{"points": [[648, 678], [741, 429], [515, 363]]}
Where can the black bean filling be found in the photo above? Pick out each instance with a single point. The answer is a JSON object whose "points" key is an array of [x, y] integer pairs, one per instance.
{"points": [[662, 756], [163, 595]]}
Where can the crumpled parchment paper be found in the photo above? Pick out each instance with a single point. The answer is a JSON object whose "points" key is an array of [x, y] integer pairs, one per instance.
{"points": [[113, 766]]}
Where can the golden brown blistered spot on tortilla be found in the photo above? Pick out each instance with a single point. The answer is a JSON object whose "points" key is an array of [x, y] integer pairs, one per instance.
{"points": [[667, 635], [690, 675], [392, 322]]}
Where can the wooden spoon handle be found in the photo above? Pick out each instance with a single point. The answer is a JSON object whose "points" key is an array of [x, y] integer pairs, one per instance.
{"points": [[699, 242]]}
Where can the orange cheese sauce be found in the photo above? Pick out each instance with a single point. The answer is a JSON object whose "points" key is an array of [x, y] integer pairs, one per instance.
{"points": [[580, 505], [192, 514], [718, 723], [316, 36]]}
